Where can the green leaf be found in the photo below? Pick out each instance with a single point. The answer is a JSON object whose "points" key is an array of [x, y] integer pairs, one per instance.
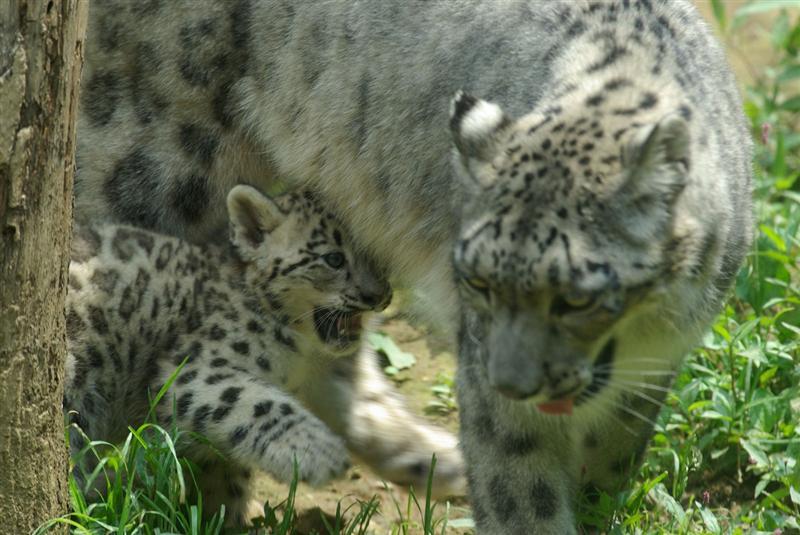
{"points": [[778, 167], [792, 42], [719, 13], [441, 389], [383, 344], [760, 486], [458, 523], [792, 328], [773, 237], [789, 73], [780, 30], [765, 377], [698, 405], [786, 182], [661, 496], [764, 5], [791, 195], [755, 452], [792, 140], [714, 415], [709, 519], [722, 331], [791, 104]]}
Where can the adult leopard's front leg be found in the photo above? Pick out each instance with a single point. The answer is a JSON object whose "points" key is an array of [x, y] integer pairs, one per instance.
{"points": [[522, 466], [358, 402]]}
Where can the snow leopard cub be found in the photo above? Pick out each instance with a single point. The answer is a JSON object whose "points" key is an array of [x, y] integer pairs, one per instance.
{"points": [[272, 331]]}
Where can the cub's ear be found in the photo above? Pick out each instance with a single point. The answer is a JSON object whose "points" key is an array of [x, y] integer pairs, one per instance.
{"points": [[252, 215], [656, 162], [474, 124]]}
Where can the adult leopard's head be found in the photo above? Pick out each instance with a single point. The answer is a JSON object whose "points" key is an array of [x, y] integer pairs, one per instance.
{"points": [[299, 263], [570, 254]]}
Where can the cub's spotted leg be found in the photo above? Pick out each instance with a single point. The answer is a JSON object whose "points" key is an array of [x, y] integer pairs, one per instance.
{"points": [[358, 402], [227, 483], [254, 424]]}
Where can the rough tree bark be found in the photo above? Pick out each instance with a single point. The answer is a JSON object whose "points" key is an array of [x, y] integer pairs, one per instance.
{"points": [[41, 52]]}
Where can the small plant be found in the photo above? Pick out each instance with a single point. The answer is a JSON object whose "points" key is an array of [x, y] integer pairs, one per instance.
{"points": [[429, 524], [445, 397], [395, 359], [357, 525]]}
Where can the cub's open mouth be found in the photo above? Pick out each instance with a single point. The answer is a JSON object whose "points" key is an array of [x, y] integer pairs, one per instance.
{"points": [[337, 327]]}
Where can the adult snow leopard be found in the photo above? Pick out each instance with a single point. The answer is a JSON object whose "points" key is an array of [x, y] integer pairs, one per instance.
{"points": [[595, 214], [271, 331]]}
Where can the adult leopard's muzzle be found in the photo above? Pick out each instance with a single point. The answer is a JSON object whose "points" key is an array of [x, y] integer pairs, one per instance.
{"points": [[527, 361]]}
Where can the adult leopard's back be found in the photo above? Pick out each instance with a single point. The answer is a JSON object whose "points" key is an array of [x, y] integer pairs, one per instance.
{"points": [[349, 98]]}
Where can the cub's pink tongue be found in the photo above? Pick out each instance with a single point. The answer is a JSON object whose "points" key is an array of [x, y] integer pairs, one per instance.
{"points": [[562, 406]]}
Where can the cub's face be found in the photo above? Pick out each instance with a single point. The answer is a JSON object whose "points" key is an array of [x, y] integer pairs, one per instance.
{"points": [[567, 233], [300, 262]]}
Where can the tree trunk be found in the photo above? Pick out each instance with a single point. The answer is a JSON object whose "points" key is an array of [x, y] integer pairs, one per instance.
{"points": [[41, 53]]}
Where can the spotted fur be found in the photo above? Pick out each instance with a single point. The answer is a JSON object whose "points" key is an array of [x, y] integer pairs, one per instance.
{"points": [[609, 165], [271, 332]]}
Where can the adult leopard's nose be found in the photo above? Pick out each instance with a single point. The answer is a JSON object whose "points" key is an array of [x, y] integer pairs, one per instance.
{"points": [[515, 390]]}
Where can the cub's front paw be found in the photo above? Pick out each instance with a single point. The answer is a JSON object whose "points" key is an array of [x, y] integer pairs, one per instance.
{"points": [[320, 469], [321, 457]]}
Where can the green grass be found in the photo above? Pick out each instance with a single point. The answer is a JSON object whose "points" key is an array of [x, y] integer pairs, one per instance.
{"points": [[444, 394], [724, 458], [150, 489], [146, 486]]}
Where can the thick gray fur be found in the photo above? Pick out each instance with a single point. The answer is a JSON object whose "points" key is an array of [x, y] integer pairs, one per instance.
{"points": [[351, 100]]}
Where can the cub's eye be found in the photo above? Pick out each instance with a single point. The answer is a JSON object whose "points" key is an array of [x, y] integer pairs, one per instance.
{"points": [[571, 303], [334, 260], [476, 283]]}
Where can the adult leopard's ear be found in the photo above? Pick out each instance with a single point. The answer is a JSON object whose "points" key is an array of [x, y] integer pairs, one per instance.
{"points": [[252, 215], [656, 161], [475, 125], [656, 157]]}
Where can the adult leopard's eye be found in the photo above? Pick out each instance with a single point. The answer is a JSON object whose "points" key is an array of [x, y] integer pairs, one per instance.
{"points": [[478, 284], [571, 303], [334, 260], [578, 301]]}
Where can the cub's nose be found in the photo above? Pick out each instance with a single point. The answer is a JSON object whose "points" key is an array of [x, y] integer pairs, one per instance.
{"points": [[377, 301]]}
